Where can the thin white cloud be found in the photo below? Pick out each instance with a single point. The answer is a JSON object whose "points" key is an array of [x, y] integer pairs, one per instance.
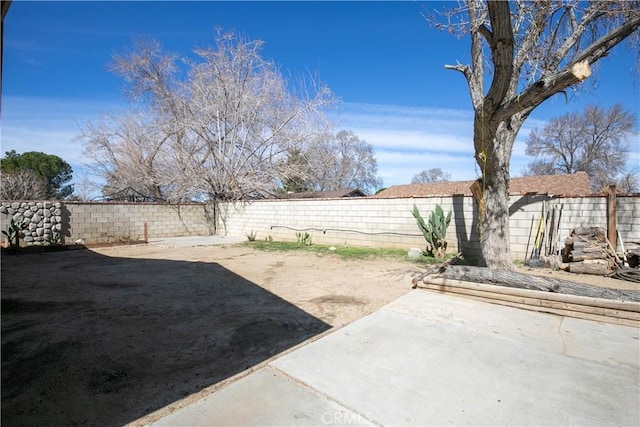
{"points": [[408, 140], [48, 125], [399, 167], [414, 140], [433, 120], [51, 126]]}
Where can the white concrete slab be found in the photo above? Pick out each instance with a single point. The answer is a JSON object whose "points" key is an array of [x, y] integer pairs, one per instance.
{"points": [[433, 359], [264, 398]]}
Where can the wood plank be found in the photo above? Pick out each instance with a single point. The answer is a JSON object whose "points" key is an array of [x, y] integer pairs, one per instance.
{"points": [[585, 316], [537, 302], [526, 281], [574, 299]]}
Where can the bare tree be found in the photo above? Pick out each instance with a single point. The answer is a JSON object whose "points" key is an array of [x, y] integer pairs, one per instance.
{"points": [[629, 182], [220, 132], [526, 51], [340, 161], [595, 141], [128, 152], [23, 184], [246, 120], [431, 175]]}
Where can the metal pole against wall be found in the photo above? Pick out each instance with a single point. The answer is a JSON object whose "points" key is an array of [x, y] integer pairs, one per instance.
{"points": [[612, 233]]}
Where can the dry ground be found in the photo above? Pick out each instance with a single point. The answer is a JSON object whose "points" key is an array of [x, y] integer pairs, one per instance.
{"points": [[105, 336]]}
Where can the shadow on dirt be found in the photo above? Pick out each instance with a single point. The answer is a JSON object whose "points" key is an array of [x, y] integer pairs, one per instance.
{"points": [[131, 336]]}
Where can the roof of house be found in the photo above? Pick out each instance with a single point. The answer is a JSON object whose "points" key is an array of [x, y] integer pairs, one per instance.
{"points": [[323, 194], [574, 184]]}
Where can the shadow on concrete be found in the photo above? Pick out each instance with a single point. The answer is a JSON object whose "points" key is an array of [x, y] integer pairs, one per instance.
{"points": [[94, 340]]}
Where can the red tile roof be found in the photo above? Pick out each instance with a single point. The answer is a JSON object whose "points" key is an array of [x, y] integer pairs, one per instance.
{"points": [[575, 184]]}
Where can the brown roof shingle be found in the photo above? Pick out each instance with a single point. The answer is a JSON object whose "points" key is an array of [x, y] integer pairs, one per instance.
{"points": [[573, 184]]}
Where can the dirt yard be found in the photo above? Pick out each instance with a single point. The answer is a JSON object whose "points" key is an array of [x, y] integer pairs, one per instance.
{"points": [[105, 336]]}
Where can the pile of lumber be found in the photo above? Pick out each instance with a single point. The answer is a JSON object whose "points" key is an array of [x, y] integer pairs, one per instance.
{"points": [[587, 250]]}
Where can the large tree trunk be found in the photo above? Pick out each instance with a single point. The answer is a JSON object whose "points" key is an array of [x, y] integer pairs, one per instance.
{"points": [[493, 145], [516, 88]]}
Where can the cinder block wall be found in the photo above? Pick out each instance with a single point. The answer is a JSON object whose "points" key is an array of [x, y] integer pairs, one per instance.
{"points": [[350, 221], [628, 217], [389, 223], [108, 222]]}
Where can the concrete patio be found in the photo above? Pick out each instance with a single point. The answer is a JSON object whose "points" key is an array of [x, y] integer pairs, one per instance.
{"points": [[435, 359]]}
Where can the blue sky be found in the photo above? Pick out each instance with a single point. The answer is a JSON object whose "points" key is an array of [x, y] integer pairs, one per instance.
{"points": [[382, 60]]}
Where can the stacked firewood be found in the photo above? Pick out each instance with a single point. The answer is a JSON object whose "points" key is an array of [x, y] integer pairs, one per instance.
{"points": [[587, 250], [633, 254]]}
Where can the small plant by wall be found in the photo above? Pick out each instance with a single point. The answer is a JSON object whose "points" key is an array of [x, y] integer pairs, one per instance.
{"points": [[434, 230], [14, 233], [303, 239]]}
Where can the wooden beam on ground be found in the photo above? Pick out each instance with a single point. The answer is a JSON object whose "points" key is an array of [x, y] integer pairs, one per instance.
{"points": [[603, 310], [514, 279]]}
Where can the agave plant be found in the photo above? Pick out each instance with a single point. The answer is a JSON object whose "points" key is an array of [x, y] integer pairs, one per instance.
{"points": [[434, 230]]}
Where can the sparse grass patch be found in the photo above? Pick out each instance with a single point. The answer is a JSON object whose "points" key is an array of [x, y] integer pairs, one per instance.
{"points": [[344, 252]]}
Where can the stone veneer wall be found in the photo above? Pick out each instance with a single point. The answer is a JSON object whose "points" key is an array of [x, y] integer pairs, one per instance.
{"points": [[43, 221]]}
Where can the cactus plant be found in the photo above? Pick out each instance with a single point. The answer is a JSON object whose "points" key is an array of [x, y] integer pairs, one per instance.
{"points": [[434, 230], [14, 233]]}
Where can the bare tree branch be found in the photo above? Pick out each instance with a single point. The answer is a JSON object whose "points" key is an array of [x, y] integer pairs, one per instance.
{"points": [[532, 50], [502, 46], [431, 175], [574, 72], [221, 132], [22, 185], [594, 141]]}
